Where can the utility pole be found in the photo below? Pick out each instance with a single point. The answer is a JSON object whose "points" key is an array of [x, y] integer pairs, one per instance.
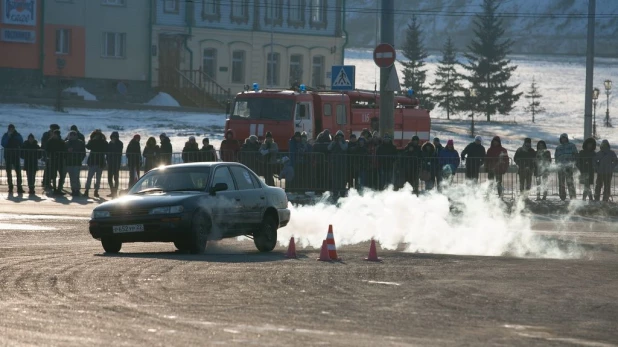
{"points": [[589, 70], [387, 98]]}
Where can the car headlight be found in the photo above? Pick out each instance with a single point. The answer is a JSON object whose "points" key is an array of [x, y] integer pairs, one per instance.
{"points": [[166, 210], [99, 214]]}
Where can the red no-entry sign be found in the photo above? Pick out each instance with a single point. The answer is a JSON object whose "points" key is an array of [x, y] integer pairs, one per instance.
{"points": [[384, 55]]}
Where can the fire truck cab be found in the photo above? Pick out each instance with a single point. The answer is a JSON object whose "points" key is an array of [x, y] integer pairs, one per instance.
{"points": [[284, 112]]}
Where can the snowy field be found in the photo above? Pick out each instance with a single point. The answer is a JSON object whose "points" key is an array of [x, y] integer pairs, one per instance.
{"points": [[561, 81]]}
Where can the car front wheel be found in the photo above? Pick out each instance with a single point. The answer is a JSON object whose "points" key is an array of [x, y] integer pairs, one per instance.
{"points": [[111, 246], [265, 238], [200, 228]]}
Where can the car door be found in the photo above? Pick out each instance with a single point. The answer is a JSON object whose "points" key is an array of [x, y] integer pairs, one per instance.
{"points": [[250, 195], [227, 204]]}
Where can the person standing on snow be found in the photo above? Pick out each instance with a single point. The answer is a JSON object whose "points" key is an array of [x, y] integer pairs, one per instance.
{"points": [[473, 155], [541, 169], [96, 160], [165, 156], [566, 156], [134, 159], [114, 158], [605, 163], [76, 152], [269, 150], [585, 164], [497, 163], [449, 161], [229, 147], [11, 142], [31, 153], [524, 159]]}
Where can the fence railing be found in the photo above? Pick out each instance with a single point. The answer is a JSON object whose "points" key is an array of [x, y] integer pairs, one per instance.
{"points": [[320, 172]]}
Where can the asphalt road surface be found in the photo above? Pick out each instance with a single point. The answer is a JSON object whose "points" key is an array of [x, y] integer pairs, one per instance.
{"points": [[57, 288]]}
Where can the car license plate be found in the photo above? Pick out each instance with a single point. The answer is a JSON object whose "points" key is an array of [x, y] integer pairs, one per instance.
{"points": [[127, 228]]}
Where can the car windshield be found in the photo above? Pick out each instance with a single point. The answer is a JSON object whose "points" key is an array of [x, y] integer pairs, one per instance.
{"points": [[169, 179], [264, 108]]}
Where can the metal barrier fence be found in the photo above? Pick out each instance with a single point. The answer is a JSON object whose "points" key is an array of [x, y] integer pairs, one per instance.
{"points": [[320, 172]]}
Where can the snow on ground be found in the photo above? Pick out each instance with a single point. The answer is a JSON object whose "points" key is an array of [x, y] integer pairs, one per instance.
{"points": [[81, 92], [177, 125], [163, 99]]}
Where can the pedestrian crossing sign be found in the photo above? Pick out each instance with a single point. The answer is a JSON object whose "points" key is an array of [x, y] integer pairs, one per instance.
{"points": [[343, 77]]}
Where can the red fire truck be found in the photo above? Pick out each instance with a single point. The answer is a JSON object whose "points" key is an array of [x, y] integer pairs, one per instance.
{"points": [[284, 112]]}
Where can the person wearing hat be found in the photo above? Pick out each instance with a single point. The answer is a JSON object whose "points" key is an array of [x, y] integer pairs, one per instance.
{"points": [[151, 154], [566, 156], [31, 153], [11, 142], [79, 135], [542, 163], [96, 160], [46, 136], [585, 165], [448, 159], [208, 151], [134, 159], [56, 151], [165, 155], [473, 155], [605, 163], [386, 153], [76, 152], [114, 157], [338, 150], [524, 159], [269, 150], [496, 163], [191, 151], [229, 147], [438, 146], [411, 163]]}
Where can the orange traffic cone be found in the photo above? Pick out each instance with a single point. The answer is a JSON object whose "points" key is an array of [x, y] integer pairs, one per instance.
{"points": [[373, 254], [291, 249], [330, 241], [324, 252]]}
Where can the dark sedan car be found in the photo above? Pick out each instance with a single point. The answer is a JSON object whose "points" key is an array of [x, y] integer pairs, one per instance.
{"points": [[189, 204]]}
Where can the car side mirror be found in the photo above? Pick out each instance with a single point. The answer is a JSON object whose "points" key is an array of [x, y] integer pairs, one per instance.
{"points": [[219, 187]]}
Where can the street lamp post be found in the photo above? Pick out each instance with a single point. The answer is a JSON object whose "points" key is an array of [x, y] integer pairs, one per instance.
{"points": [[608, 88], [595, 99]]}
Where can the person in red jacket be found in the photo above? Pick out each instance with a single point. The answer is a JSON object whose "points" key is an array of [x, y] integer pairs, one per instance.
{"points": [[229, 147], [496, 162]]}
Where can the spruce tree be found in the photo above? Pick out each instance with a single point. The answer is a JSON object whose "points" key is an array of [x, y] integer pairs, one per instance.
{"points": [[414, 74], [534, 103], [447, 85], [488, 69]]}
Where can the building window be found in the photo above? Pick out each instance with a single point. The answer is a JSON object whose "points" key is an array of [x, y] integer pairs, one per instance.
{"points": [[296, 69], [211, 10], [170, 6], [63, 41], [240, 11], [114, 45], [272, 69], [114, 2], [317, 76], [296, 13], [341, 114], [238, 67], [209, 62], [318, 14], [273, 12]]}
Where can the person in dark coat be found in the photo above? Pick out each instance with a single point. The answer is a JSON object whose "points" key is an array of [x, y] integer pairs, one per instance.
{"points": [[473, 155], [412, 158], [134, 159], [320, 150], [249, 154], [542, 164], [605, 163], [56, 152], [76, 152], [496, 163], [80, 136], [351, 176], [114, 158], [208, 151], [229, 147], [191, 151], [31, 153], [386, 154], [438, 146], [524, 159], [566, 157], [449, 161], [269, 151], [46, 172], [359, 164], [11, 142], [429, 165], [96, 160], [338, 150], [165, 155], [151, 154], [585, 165]]}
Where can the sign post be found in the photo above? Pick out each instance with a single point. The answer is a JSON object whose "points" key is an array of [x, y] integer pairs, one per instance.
{"points": [[343, 77], [384, 57]]}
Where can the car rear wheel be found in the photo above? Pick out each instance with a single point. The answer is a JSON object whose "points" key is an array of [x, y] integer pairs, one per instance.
{"points": [[265, 238], [110, 245], [200, 229]]}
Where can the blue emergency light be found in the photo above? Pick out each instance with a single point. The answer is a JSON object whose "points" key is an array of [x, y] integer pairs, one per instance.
{"points": [[303, 88], [256, 87], [410, 92]]}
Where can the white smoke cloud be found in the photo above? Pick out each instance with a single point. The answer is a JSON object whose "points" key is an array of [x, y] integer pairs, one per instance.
{"points": [[464, 219]]}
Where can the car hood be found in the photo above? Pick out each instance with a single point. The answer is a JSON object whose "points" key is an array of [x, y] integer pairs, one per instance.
{"points": [[149, 200]]}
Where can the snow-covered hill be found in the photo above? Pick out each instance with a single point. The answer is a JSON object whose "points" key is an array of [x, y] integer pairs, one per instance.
{"points": [[560, 34]]}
